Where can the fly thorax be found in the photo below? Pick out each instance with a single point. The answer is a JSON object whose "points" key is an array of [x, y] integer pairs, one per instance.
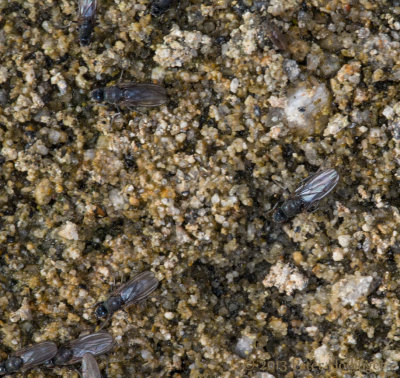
{"points": [[63, 356], [113, 95], [114, 303], [292, 207]]}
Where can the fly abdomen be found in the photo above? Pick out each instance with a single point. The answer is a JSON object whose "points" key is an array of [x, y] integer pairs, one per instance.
{"points": [[85, 32], [87, 11]]}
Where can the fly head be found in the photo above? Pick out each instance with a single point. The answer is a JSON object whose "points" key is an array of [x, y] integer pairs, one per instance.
{"points": [[279, 216], [101, 311], [98, 95], [13, 364]]}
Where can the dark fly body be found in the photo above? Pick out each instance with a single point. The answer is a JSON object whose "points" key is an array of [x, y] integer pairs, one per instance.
{"points": [[131, 94], [307, 195], [90, 369], [87, 18], [73, 352], [158, 7], [134, 291], [29, 357]]}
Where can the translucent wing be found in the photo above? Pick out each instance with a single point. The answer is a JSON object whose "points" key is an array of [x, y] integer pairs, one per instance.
{"points": [[138, 288], [143, 94], [87, 9], [90, 369], [36, 354], [94, 343], [317, 186]]}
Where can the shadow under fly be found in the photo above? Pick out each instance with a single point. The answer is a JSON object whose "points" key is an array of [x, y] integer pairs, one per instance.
{"points": [[307, 196], [134, 291]]}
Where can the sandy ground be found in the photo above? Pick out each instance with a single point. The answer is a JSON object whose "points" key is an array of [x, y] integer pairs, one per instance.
{"points": [[259, 92]]}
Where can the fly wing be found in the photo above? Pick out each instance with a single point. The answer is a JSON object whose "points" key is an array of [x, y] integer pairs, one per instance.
{"points": [[94, 343], [37, 354], [90, 369], [317, 186], [138, 288], [87, 9], [143, 94]]}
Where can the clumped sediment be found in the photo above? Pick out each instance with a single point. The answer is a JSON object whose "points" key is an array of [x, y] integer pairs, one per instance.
{"points": [[185, 189]]}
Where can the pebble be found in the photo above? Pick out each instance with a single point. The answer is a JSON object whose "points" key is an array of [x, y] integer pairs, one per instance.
{"points": [[69, 231], [43, 192], [244, 346], [185, 189]]}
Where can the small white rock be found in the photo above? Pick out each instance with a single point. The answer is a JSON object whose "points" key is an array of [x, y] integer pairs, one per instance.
{"points": [[104, 271], [244, 346], [337, 255], [117, 199], [9, 153], [351, 289], [215, 199], [146, 355], [323, 356], [344, 240], [234, 85], [181, 137], [69, 231], [337, 123], [285, 278]]}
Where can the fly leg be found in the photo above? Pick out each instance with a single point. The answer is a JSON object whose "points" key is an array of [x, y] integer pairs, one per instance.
{"points": [[286, 190], [116, 115], [120, 76], [104, 323], [313, 207], [67, 26], [273, 209], [135, 110], [77, 371]]}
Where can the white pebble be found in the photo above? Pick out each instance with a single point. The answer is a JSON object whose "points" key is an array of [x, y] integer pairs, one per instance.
{"points": [[69, 231], [344, 240], [234, 85]]}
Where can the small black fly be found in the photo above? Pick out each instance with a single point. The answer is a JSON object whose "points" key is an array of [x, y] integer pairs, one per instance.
{"points": [[27, 358], [94, 343], [134, 291], [131, 94], [87, 18], [307, 195]]}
